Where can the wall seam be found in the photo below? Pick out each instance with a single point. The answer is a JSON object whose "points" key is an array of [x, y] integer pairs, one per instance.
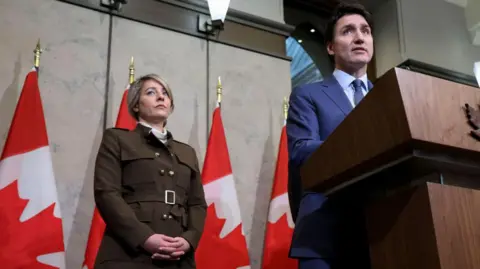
{"points": [[208, 91], [107, 79], [401, 31]]}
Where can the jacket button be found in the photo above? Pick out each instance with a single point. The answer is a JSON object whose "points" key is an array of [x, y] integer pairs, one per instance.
{"points": [[162, 172], [169, 216], [157, 154], [164, 216], [171, 173]]}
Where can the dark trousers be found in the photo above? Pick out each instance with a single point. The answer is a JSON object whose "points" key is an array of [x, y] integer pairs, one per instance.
{"points": [[330, 234], [313, 264]]}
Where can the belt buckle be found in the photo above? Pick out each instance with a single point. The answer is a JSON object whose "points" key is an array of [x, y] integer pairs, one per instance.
{"points": [[172, 201]]}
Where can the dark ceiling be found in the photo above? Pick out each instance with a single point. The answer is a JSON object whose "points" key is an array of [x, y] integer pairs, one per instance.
{"points": [[326, 6], [314, 6]]}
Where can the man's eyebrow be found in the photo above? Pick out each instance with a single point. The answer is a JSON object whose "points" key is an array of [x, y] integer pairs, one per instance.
{"points": [[350, 25], [365, 25]]}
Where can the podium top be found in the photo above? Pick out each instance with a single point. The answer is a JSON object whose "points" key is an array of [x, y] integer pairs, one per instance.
{"points": [[404, 113]]}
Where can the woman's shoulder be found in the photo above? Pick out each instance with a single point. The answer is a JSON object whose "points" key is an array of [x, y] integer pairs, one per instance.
{"points": [[183, 147], [120, 134], [185, 153], [115, 132]]}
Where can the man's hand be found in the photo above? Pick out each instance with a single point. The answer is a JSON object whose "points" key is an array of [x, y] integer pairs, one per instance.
{"points": [[170, 252]]}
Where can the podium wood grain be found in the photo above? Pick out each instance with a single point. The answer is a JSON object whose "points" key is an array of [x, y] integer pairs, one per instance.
{"points": [[426, 227]]}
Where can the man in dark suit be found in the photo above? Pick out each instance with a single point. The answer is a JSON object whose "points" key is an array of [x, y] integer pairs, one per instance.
{"points": [[315, 111]]}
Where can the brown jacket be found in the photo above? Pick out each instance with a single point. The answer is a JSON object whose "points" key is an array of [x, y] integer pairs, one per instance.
{"points": [[143, 187]]}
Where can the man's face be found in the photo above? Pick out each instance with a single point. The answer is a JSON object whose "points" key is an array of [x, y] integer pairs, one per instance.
{"points": [[352, 44]]}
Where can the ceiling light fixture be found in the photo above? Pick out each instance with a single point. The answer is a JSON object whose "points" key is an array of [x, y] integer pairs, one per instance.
{"points": [[218, 11]]}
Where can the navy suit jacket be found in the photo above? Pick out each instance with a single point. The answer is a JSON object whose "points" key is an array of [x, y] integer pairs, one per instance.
{"points": [[315, 111]]}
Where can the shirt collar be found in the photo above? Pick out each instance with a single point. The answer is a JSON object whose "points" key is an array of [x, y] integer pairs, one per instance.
{"points": [[345, 79], [162, 136]]}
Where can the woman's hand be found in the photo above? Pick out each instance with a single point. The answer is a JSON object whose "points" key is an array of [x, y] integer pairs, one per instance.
{"points": [[162, 244], [185, 245], [177, 247]]}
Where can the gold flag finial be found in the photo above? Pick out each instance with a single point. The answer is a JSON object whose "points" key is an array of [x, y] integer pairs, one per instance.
{"points": [[37, 51], [219, 90], [285, 108], [131, 77]]}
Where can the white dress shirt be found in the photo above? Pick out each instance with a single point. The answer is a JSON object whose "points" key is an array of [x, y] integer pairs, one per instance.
{"points": [[345, 80]]}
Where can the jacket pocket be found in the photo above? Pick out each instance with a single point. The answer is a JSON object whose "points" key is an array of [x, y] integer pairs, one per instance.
{"points": [[132, 155], [138, 167]]}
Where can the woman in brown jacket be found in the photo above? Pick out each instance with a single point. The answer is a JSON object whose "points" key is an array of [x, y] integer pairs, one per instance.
{"points": [[148, 188]]}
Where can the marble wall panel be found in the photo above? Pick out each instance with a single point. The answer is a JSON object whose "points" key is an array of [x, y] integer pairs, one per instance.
{"points": [[179, 59]]}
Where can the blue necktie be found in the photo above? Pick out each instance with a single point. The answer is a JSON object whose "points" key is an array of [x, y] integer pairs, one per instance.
{"points": [[357, 87]]}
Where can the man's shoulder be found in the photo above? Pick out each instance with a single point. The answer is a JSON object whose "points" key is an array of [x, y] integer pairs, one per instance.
{"points": [[314, 87], [310, 86]]}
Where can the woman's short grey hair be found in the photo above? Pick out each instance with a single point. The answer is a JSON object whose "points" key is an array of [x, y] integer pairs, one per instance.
{"points": [[134, 92]]}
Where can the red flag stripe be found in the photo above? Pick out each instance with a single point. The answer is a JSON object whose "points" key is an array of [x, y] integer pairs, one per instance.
{"points": [[218, 163], [278, 234], [280, 184], [124, 119], [29, 131], [223, 227], [31, 222]]}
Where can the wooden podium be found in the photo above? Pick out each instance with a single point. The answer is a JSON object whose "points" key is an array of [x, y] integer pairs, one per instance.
{"points": [[406, 154]]}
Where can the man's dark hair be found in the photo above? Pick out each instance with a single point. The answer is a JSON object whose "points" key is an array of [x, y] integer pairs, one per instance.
{"points": [[345, 9]]}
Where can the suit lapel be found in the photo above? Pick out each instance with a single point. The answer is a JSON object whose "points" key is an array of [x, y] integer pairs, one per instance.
{"points": [[335, 92]]}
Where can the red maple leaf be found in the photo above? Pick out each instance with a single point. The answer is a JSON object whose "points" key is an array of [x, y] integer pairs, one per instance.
{"points": [[214, 252], [22, 242], [277, 245]]}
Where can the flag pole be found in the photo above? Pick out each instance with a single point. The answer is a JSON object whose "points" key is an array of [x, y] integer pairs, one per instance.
{"points": [[219, 92], [285, 110], [131, 68], [37, 52]]}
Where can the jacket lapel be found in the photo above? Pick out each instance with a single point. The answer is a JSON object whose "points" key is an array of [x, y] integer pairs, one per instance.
{"points": [[335, 92]]}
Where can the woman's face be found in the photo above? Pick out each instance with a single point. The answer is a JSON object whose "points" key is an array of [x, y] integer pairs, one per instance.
{"points": [[154, 104]]}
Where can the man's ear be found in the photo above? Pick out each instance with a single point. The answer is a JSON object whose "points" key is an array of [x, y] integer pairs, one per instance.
{"points": [[330, 49]]}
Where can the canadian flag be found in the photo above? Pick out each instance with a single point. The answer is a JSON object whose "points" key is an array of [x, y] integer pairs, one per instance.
{"points": [[280, 224], [31, 234], [124, 120], [223, 244]]}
